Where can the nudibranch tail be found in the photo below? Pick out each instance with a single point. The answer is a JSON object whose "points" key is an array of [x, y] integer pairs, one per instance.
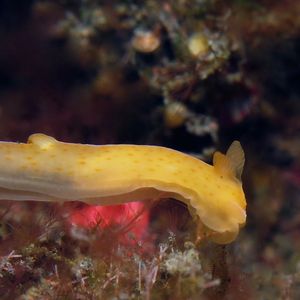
{"points": [[41, 140], [45, 169]]}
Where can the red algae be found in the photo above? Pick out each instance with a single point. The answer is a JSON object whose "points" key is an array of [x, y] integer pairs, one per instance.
{"points": [[123, 218]]}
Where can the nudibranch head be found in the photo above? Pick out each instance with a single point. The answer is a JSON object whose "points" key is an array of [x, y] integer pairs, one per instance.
{"points": [[224, 211]]}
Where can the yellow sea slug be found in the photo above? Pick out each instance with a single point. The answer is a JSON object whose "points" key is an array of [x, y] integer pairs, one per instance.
{"points": [[45, 169]]}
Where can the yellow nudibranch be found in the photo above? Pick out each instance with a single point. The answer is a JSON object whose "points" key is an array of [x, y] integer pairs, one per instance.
{"points": [[45, 169]]}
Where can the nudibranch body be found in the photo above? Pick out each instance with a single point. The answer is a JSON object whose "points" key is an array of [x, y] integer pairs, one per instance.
{"points": [[45, 169]]}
